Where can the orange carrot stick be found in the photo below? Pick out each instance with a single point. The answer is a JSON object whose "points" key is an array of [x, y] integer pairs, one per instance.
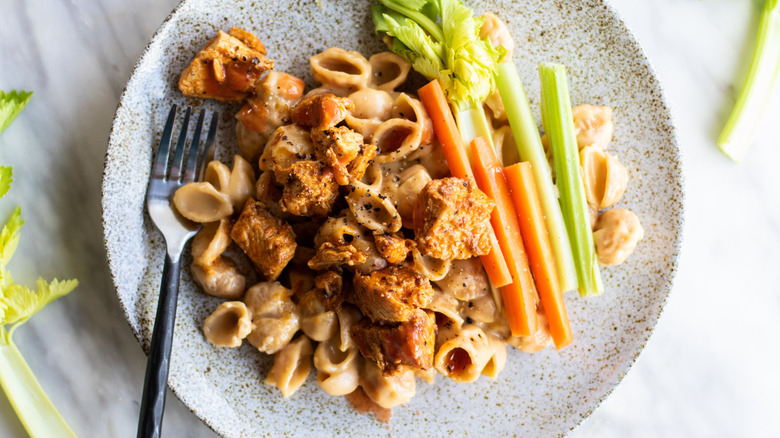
{"points": [[520, 297], [540, 255], [455, 153]]}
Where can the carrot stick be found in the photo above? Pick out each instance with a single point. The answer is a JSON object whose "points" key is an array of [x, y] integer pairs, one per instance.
{"points": [[432, 97], [457, 158], [520, 297], [520, 177]]}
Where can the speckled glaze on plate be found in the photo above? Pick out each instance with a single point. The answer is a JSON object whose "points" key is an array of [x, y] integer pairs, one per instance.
{"points": [[544, 394]]}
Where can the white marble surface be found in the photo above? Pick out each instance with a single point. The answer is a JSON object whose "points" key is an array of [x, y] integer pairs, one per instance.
{"points": [[710, 368]]}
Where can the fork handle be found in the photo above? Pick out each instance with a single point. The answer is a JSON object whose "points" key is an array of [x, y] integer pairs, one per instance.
{"points": [[156, 380]]}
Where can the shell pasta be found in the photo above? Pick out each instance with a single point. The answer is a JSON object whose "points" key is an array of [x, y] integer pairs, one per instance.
{"points": [[341, 243], [344, 166]]}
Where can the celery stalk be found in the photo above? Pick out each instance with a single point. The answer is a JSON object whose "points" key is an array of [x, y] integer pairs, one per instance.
{"points": [[742, 125], [17, 304], [559, 126], [529, 145], [35, 410], [472, 123]]}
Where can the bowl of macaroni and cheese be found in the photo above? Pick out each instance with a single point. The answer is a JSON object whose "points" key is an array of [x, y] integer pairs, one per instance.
{"points": [[335, 287]]}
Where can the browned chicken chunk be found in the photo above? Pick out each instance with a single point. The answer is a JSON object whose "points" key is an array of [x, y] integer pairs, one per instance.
{"points": [[392, 293], [309, 189], [393, 247], [357, 167], [267, 240], [398, 345], [227, 68], [452, 219], [330, 255], [329, 285], [288, 144], [337, 147], [322, 111]]}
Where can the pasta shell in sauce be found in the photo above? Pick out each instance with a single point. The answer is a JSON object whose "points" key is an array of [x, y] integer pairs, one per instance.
{"points": [[292, 365], [242, 182], [218, 174], [337, 371], [462, 352], [386, 391], [593, 125], [604, 178], [274, 316], [317, 322], [221, 278], [228, 325], [616, 235], [202, 202], [388, 70], [340, 68]]}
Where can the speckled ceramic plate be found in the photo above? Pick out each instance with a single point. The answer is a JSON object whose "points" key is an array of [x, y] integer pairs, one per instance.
{"points": [[545, 394]]}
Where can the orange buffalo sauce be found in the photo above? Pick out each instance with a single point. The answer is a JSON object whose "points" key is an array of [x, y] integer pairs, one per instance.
{"points": [[233, 79]]}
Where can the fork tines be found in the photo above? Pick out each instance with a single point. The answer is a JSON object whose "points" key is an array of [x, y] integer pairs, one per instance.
{"points": [[194, 161]]}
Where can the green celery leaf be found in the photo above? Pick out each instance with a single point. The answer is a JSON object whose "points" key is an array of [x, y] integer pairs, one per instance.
{"points": [[6, 178], [9, 239], [21, 302], [11, 104], [451, 51], [431, 10], [377, 14], [415, 38]]}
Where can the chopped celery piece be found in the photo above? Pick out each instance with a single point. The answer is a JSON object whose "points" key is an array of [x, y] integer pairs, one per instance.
{"points": [[529, 146], [559, 126], [472, 123], [743, 123]]}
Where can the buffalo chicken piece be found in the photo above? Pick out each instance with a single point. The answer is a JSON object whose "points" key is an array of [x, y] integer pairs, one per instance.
{"points": [[289, 144], [398, 345], [328, 285], [393, 247], [227, 69], [392, 293], [310, 189], [452, 219], [330, 255], [322, 111], [337, 147], [357, 167], [267, 240]]}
